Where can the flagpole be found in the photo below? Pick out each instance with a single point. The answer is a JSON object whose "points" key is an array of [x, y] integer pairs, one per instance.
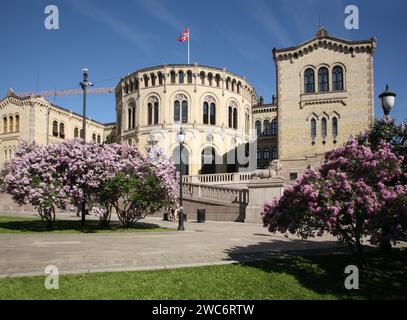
{"points": [[189, 36]]}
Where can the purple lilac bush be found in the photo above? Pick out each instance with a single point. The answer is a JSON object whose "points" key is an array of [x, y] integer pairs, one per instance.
{"points": [[356, 193], [57, 176]]}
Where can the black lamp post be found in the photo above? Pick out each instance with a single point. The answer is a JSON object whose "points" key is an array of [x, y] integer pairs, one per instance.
{"points": [[181, 140], [84, 84], [387, 99]]}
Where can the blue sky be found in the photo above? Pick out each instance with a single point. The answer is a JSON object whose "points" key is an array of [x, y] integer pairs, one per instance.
{"points": [[114, 38]]}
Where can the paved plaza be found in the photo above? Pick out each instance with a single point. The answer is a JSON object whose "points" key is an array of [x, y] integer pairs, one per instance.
{"points": [[201, 244]]}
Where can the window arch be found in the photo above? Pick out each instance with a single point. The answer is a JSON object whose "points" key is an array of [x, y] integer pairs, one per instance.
{"points": [[323, 79], [206, 112], [153, 77], [98, 140], [230, 117], [172, 76], [217, 80], [210, 79], [267, 127], [227, 83], [94, 137], [208, 160], [337, 78], [62, 131], [160, 78], [323, 128], [313, 128], [234, 118], [334, 127], [209, 111], [76, 133], [152, 111], [131, 116], [55, 129], [309, 81], [258, 127], [258, 154], [202, 76], [181, 109], [145, 81], [5, 125], [11, 124], [17, 128], [181, 77], [247, 122], [274, 127], [189, 76], [184, 157]]}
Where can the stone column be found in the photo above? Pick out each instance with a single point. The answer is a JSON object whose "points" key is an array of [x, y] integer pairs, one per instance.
{"points": [[260, 191]]}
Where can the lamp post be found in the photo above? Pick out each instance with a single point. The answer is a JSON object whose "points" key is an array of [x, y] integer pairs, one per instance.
{"points": [[387, 99], [181, 140], [84, 84]]}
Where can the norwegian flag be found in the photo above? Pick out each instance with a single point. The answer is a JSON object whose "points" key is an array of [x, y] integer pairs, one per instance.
{"points": [[184, 36]]}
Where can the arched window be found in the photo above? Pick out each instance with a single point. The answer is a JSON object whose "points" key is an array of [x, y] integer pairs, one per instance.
{"points": [[189, 76], [4, 125], [156, 110], [258, 127], [11, 124], [181, 109], [94, 137], [266, 154], [208, 161], [153, 77], [98, 139], [230, 117], [210, 78], [81, 133], [76, 133], [206, 113], [227, 83], [202, 76], [160, 78], [150, 114], [217, 80], [130, 142], [172, 75], [267, 127], [313, 128], [55, 129], [323, 79], [337, 78], [131, 86], [17, 123], [258, 154], [131, 116], [62, 131], [233, 85], [235, 118], [177, 111], [334, 127], [145, 81], [184, 111], [309, 81], [239, 86], [274, 153], [323, 128], [274, 127], [213, 113], [181, 76]]}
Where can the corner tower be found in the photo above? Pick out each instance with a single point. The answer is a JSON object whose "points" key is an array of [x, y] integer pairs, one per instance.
{"points": [[325, 94]]}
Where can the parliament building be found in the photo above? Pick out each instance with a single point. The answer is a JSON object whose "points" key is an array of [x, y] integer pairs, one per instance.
{"points": [[324, 94]]}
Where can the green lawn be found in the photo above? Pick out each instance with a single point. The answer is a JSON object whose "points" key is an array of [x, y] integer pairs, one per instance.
{"points": [[24, 225], [313, 277]]}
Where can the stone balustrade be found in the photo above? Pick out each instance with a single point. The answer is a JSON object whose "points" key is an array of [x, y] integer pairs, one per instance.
{"points": [[219, 178]]}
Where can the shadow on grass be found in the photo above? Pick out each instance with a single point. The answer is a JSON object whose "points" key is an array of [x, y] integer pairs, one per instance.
{"points": [[322, 270], [70, 226]]}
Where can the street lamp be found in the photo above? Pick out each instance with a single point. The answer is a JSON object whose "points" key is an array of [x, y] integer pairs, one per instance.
{"points": [[387, 99], [180, 140], [84, 84]]}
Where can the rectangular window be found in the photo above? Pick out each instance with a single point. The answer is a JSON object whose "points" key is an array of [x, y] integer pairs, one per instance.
{"points": [[293, 176]]}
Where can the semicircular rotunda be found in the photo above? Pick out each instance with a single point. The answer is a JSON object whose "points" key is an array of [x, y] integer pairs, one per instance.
{"points": [[212, 105]]}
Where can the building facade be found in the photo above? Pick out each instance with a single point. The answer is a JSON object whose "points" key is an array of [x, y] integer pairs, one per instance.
{"points": [[324, 94]]}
